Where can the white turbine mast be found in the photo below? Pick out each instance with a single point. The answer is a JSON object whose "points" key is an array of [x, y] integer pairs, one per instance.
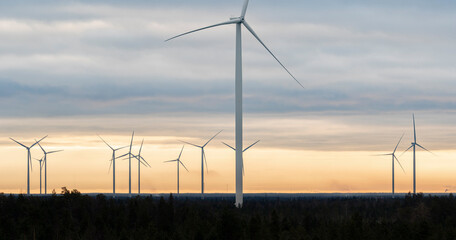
{"points": [[142, 161], [203, 160], [413, 145], [29, 160], [393, 156], [113, 163], [179, 162], [239, 21], [129, 154], [41, 161], [45, 165]]}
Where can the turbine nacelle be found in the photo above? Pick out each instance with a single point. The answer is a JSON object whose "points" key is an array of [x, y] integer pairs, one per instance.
{"points": [[240, 20]]}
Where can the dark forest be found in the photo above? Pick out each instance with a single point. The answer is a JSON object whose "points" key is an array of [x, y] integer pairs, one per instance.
{"points": [[72, 215]]}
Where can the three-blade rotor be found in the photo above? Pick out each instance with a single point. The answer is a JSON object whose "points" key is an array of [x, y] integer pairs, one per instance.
{"points": [[178, 159], [241, 20]]}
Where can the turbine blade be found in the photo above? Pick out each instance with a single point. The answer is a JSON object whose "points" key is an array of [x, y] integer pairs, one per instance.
{"points": [[425, 149], [143, 164], [36, 142], [244, 8], [190, 143], [126, 154], [145, 161], [120, 148], [229, 146], [199, 29], [41, 147], [181, 152], [259, 40], [250, 146], [175, 160], [55, 151], [19, 143], [212, 138], [140, 148], [205, 160], [398, 143], [105, 142], [414, 131], [406, 150], [183, 165], [131, 143], [397, 160], [110, 164]]}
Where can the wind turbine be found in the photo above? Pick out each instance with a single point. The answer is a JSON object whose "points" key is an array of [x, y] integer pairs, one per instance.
{"points": [[239, 21], [41, 161], [113, 163], [45, 165], [413, 145], [129, 163], [29, 160], [142, 161], [242, 151], [179, 162], [203, 159], [393, 156]]}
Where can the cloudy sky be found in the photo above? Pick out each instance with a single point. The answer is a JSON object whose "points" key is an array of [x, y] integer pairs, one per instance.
{"points": [[74, 69]]}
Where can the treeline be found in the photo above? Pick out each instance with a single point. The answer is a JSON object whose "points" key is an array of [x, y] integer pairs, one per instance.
{"points": [[72, 215]]}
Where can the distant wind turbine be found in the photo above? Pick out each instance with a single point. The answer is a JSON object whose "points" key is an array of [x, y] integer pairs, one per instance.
{"points": [[414, 144], [129, 154], [243, 173], [203, 159], [239, 21], [41, 161], [113, 163], [179, 162], [29, 160], [394, 158], [45, 165], [142, 161]]}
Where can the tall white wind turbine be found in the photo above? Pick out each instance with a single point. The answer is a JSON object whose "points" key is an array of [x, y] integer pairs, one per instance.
{"points": [[203, 159], [45, 165], [239, 21], [129, 154], [393, 156], [113, 163], [142, 161], [41, 161], [413, 145], [251, 145], [179, 162], [29, 160]]}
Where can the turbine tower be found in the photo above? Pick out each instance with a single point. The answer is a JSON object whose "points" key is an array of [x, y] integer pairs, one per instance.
{"points": [[203, 159], [29, 160], [41, 161], [251, 145], [113, 163], [179, 162], [393, 156], [45, 165], [413, 145], [239, 21], [142, 161]]}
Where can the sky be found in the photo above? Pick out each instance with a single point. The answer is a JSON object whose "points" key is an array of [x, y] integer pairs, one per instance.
{"points": [[74, 69]]}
